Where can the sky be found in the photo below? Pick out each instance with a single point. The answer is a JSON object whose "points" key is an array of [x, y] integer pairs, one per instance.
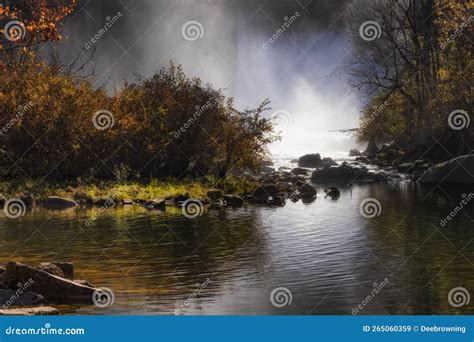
{"points": [[284, 50]]}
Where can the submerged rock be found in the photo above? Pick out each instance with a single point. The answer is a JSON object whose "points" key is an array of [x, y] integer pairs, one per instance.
{"points": [[345, 174], [459, 170], [300, 171]]}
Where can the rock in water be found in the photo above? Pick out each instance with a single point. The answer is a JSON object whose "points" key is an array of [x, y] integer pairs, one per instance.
{"points": [[51, 287], [66, 267], [233, 201], [36, 311], [310, 160], [156, 204], [355, 153], [20, 297], [55, 202], [266, 191], [307, 191], [459, 170], [214, 195]]}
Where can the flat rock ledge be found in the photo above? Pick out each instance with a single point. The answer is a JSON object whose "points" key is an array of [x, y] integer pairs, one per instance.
{"points": [[34, 311]]}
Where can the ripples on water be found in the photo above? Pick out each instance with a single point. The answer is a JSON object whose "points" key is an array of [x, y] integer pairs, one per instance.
{"points": [[325, 253]]}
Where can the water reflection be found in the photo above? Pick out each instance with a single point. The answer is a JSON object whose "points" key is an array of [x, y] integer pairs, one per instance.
{"points": [[324, 252]]}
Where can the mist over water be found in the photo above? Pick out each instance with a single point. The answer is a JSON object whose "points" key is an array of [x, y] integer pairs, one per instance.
{"points": [[294, 71]]}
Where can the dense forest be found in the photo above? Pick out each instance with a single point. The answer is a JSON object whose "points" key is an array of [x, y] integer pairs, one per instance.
{"points": [[414, 66], [57, 125]]}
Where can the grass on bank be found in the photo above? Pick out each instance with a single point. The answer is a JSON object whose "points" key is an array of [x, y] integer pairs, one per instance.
{"points": [[155, 188]]}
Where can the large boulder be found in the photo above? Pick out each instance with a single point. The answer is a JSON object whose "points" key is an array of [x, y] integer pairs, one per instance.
{"points": [[345, 174], [371, 149], [310, 160], [51, 287], [66, 267], [459, 170], [56, 202]]}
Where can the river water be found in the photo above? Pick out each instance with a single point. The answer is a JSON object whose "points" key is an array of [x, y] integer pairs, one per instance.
{"points": [[326, 255]]}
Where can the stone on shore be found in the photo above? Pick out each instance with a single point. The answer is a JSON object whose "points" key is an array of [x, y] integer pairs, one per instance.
{"points": [[35, 311], [355, 153], [51, 269], [459, 170], [56, 202], [266, 192]]}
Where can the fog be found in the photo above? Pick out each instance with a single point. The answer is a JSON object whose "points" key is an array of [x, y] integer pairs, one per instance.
{"points": [[234, 50]]}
